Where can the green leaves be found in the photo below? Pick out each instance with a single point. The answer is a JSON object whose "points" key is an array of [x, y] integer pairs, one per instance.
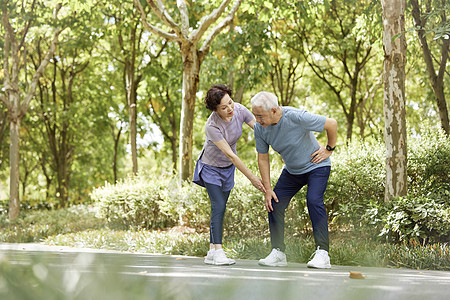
{"points": [[417, 217]]}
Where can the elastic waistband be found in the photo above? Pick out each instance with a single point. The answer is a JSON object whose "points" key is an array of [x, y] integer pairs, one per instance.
{"points": [[227, 167]]}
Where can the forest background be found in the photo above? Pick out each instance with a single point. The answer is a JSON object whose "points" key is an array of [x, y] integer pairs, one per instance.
{"points": [[105, 123]]}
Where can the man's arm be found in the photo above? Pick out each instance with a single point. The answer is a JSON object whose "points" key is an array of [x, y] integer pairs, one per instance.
{"points": [[264, 170], [323, 153]]}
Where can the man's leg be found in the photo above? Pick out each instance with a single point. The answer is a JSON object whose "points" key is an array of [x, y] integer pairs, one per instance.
{"points": [[287, 186], [317, 184]]}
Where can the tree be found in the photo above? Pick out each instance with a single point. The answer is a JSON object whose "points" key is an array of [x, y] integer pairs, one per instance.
{"points": [[337, 41], [436, 78], [394, 97], [59, 126], [193, 52], [3, 128], [127, 48], [15, 49], [164, 101]]}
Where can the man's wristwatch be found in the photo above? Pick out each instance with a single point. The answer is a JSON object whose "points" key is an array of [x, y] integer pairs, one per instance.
{"points": [[329, 148]]}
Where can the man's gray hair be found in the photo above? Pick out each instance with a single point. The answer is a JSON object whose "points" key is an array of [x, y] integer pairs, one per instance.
{"points": [[265, 100]]}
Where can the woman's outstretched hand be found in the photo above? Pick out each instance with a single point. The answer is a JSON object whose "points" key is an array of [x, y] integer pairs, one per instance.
{"points": [[257, 183]]}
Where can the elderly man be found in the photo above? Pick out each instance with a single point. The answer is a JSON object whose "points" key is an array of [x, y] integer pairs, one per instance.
{"points": [[290, 133]]}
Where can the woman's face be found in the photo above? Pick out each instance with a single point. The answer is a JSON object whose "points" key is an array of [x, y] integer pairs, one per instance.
{"points": [[225, 109]]}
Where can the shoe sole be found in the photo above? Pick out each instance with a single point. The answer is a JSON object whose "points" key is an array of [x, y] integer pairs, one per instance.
{"points": [[272, 265], [224, 264], [316, 267], [209, 262]]}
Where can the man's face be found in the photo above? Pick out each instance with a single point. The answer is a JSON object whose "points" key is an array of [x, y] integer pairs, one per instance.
{"points": [[264, 117]]}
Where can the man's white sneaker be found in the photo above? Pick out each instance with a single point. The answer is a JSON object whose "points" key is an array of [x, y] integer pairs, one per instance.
{"points": [[321, 260], [209, 259], [276, 258], [221, 259]]}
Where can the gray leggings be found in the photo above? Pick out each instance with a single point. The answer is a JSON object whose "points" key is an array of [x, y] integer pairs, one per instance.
{"points": [[218, 200]]}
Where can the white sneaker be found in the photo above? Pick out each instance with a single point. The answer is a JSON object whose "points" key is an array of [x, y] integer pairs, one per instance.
{"points": [[209, 259], [221, 259], [321, 260], [276, 258]]}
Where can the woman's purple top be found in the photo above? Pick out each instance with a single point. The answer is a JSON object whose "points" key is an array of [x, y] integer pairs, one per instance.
{"points": [[219, 169]]}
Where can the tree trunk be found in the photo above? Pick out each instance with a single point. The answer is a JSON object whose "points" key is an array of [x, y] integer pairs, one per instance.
{"points": [[442, 106], [394, 97], [14, 199], [436, 80], [132, 111], [191, 69], [116, 150], [173, 143]]}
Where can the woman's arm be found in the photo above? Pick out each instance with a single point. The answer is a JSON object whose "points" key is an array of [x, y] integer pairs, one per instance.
{"points": [[226, 149], [264, 170], [251, 124]]}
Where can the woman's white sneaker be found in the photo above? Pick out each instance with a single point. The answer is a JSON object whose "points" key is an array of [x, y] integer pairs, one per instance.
{"points": [[276, 258], [321, 260], [209, 259], [221, 259]]}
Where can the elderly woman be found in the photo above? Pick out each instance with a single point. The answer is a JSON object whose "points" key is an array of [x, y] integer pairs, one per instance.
{"points": [[217, 161]]}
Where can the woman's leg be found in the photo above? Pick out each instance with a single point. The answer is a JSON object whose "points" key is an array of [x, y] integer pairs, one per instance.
{"points": [[218, 200]]}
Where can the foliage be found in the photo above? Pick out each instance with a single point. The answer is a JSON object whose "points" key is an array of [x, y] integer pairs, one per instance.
{"points": [[35, 226], [133, 202], [356, 181], [416, 217], [240, 55], [424, 213]]}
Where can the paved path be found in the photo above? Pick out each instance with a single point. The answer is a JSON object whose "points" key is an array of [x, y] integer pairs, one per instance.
{"points": [[73, 273]]}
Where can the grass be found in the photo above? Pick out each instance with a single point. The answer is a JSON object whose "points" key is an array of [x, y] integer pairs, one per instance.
{"points": [[79, 227]]}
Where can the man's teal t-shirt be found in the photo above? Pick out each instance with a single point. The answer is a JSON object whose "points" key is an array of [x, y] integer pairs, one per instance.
{"points": [[292, 137]]}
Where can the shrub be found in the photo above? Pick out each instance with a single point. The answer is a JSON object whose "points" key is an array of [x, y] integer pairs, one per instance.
{"points": [[429, 164], [412, 217], [134, 202], [34, 226], [356, 182]]}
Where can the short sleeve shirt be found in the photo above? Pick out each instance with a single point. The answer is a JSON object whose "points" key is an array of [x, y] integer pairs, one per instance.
{"points": [[216, 129], [293, 138]]}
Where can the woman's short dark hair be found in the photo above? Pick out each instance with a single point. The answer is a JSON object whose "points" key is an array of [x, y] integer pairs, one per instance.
{"points": [[215, 95]]}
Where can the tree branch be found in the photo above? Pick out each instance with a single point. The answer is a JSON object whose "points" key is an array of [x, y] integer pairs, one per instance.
{"points": [[184, 18], [218, 28], [27, 27], [444, 58], [210, 19], [30, 93], [151, 28], [10, 44], [162, 13]]}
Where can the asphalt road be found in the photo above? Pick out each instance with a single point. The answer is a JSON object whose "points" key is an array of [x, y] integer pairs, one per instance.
{"points": [[33, 271]]}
